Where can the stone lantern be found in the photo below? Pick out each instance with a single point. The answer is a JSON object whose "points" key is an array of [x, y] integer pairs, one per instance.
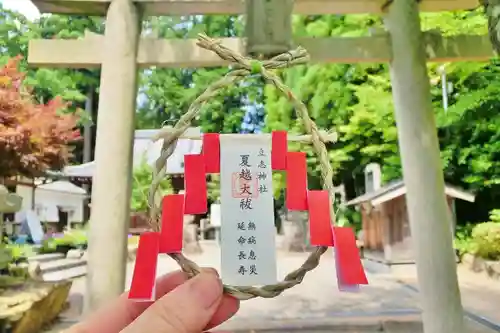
{"points": [[268, 27], [9, 202]]}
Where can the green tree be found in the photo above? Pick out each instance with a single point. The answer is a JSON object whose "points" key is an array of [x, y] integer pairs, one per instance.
{"points": [[469, 129], [356, 101], [72, 85], [352, 99], [141, 182], [170, 91], [15, 33], [33, 137]]}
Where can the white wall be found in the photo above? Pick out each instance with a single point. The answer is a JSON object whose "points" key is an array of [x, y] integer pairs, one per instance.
{"points": [[46, 203], [25, 192]]}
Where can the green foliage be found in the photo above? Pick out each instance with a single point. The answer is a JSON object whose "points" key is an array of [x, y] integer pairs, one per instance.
{"points": [[20, 251], [71, 85], [17, 251], [486, 237], [495, 215], [463, 243], [11, 255], [353, 99], [6, 256], [482, 240], [356, 101], [347, 216], [469, 130], [141, 182], [213, 188], [15, 33], [171, 91], [75, 238]]}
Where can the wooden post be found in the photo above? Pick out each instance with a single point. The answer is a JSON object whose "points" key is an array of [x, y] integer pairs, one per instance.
{"points": [[87, 128], [422, 169], [387, 225], [115, 134], [87, 134], [268, 27]]}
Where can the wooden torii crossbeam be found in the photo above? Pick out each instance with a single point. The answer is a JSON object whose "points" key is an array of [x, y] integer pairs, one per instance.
{"points": [[88, 52], [121, 52], [200, 7]]}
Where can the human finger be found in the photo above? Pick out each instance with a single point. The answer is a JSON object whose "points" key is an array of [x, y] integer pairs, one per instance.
{"points": [[187, 309], [227, 308], [120, 313]]}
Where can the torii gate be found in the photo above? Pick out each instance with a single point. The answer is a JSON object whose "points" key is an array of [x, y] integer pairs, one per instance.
{"points": [[121, 51]]}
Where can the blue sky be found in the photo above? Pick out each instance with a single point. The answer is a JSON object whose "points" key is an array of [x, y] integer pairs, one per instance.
{"points": [[24, 6]]}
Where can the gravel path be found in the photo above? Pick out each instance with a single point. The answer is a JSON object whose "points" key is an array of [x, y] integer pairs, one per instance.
{"points": [[316, 302]]}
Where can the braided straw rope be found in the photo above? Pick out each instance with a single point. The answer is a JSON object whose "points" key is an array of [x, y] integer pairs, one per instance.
{"points": [[242, 67]]}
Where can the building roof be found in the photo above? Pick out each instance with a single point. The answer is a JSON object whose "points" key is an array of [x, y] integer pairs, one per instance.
{"points": [[396, 189], [62, 186], [145, 150]]}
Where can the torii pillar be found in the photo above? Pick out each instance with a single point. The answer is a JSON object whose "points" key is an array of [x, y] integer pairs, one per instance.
{"points": [[422, 171], [110, 216]]}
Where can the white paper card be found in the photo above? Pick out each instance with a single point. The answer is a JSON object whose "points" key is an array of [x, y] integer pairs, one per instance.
{"points": [[248, 234]]}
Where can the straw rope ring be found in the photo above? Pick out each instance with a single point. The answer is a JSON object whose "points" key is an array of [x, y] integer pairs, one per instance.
{"points": [[243, 67]]}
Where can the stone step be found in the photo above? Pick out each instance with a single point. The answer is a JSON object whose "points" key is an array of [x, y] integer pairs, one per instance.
{"points": [[65, 274], [61, 264], [46, 257], [60, 268]]}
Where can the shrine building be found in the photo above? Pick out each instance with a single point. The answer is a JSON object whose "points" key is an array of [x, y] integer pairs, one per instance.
{"points": [[386, 234]]}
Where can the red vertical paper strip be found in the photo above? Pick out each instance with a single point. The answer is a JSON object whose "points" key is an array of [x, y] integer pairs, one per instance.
{"points": [[320, 225], [341, 284], [211, 152], [279, 150], [296, 181], [195, 185], [351, 271], [172, 218], [143, 280]]}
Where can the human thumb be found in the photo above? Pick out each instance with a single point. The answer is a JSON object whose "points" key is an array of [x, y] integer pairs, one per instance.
{"points": [[187, 309]]}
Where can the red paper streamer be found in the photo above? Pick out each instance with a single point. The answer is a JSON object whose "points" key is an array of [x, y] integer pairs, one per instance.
{"points": [[211, 152], [279, 150], [296, 181], [320, 226], [195, 185], [143, 280], [172, 220], [347, 256]]}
